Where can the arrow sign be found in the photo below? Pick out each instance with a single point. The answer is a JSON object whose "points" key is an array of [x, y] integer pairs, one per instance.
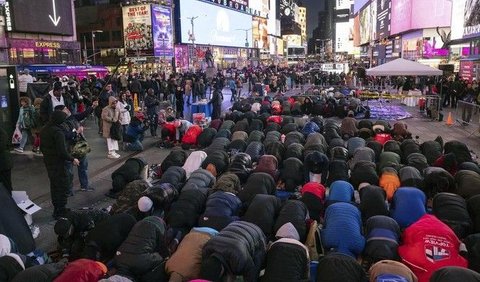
{"points": [[54, 19]]}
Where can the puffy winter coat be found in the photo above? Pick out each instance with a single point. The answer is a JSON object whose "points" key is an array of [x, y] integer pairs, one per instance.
{"points": [[436, 180], [223, 133], [353, 144], [201, 179], [408, 206], [451, 209], [468, 183], [454, 273], [185, 211], [392, 146], [376, 147], [174, 175], [372, 202], [263, 212], [255, 124], [185, 262], [236, 146], [40, 273], [241, 125], [82, 270], [362, 154], [432, 150], [310, 127], [268, 164], [216, 124], [340, 191], [218, 144], [292, 174], [144, 247], [127, 200], [336, 267], [241, 247], [227, 182], [162, 195], [239, 135], [175, 158], [206, 137], [221, 209], [287, 260], [424, 256], [241, 166], [388, 159], [473, 205], [257, 183], [255, 135], [255, 149], [293, 137], [337, 170], [102, 242], [272, 136], [460, 150], [409, 146], [417, 160], [342, 229], [410, 177], [272, 126], [276, 149], [315, 142], [190, 137], [219, 159], [364, 172], [383, 235], [296, 213], [227, 124], [295, 150], [127, 173]]}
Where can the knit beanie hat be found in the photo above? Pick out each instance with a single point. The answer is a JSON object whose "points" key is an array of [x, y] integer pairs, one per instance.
{"points": [[288, 231], [145, 204]]}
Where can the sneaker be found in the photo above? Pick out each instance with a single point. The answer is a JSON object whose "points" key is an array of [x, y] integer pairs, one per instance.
{"points": [[18, 150], [116, 155], [83, 189], [113, 156]]}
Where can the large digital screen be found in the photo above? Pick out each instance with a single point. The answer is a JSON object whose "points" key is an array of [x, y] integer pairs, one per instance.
{"points": [[162, 31], [214, 25], [383, 18], [465, 19], [365, 25], [39, 16], [358, 5], [260, 34], [343, 4], [137, 30], [344, 36], [411, 14], [262, 7]]}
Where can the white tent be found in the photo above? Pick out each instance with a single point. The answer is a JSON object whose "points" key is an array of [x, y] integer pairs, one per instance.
{"points": [[403, 67]]}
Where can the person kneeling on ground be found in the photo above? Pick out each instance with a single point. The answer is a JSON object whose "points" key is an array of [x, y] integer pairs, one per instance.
{"points": [[135, 133]]}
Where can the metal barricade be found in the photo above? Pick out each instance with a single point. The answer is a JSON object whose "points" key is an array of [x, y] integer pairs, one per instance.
{"points": [[467, 115]]}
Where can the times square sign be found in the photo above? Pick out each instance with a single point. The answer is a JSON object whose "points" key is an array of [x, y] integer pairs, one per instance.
{"points": [[239, 5]]}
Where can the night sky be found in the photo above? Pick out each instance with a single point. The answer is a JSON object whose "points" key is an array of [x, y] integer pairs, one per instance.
{"points": [[313, 7]]}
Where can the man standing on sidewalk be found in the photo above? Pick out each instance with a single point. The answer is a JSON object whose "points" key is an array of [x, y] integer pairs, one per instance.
{"points": [[73, 131], [55, 154]]}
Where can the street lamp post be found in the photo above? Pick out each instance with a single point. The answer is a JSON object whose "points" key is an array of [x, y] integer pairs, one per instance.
{"points": [[246, 36], [93, 44], [192, 37]]}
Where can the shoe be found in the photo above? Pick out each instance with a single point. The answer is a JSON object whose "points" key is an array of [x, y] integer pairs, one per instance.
{"points": [[83, 189], [59, 213], [18, 150], [70, 194], [113, 156], [89, 189]]}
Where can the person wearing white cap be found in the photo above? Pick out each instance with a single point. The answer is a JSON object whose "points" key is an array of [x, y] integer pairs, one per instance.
{"points": [[145, 204]]}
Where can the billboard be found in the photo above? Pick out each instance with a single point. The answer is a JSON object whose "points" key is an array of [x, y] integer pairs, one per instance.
{"points": [[222, 27], [287, 10], [39, 16], [262, 8], [343, 4], [162, 30], [137, 30], [344, 37], [358, 5], [260, 34], [411, 14], [464, 22], [342, 15], [383, 18], [365, 25]]}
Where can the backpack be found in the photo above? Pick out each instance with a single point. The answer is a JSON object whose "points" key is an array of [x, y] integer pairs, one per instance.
{"points": [[28, 116]]}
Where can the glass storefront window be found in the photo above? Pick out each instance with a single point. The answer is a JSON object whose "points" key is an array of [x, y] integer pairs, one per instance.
{"points": [[21, 56]]}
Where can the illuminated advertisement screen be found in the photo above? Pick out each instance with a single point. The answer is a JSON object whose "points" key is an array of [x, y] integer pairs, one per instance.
{"points": [[344, 37], [358, 5], [365, 25], [411, 14], [465, 19], [262, 7], [214, 25], [162, 31], [383, 18], [137, 30], [39, 16], [260, 33]]}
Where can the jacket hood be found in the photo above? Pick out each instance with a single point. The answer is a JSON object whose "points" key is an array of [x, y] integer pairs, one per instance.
{"points": [[288, 231], [111, 99], [58, 117]]}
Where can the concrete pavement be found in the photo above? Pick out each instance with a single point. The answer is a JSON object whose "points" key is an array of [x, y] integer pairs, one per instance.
{"points": [[29, 173]]}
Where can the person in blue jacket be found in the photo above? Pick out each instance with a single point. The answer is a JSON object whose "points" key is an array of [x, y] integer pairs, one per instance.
{"points": [[135, 133]]}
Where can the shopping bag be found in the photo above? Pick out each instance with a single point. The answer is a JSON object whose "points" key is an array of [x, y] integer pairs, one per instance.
{"points": [[17, 136]]}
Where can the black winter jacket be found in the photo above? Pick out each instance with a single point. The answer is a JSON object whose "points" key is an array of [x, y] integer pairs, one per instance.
{"points": [[241, 248], [174, 175], [295, 212], [175, 158], [263, 212], [257, 183], [255, 150]]}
